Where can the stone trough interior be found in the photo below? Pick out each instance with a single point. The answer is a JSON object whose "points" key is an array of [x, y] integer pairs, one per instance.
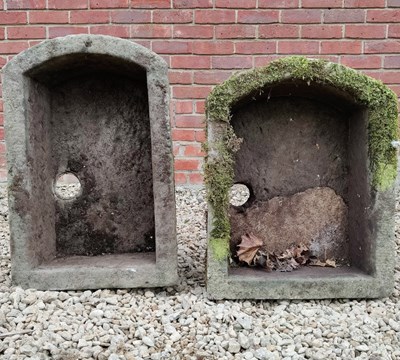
{"points": [[88, 119], [304, 161]]}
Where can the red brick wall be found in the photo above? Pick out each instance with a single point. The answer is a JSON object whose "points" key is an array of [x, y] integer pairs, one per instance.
{"points": [[205, 41]]}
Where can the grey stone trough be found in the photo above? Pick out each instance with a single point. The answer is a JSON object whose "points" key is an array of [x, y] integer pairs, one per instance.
{"points": [[313, 142], [95, 108]]}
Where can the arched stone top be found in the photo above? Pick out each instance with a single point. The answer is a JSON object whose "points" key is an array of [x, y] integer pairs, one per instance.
{"points": [[107, 46], [349, 86]]}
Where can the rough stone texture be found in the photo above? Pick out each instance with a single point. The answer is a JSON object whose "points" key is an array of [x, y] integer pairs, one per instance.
{"points": [[291, 144], [97, 107], [296, 138], [316, 217]]}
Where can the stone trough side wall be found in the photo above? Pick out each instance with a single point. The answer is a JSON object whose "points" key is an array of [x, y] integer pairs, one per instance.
{"points": [[205, 41]]}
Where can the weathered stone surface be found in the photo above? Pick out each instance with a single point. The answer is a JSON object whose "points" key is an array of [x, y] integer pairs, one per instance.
{"points": [[316, 217], [96, 107]]}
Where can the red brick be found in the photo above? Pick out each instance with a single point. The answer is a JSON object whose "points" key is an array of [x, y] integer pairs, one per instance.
{"points": [[393, 3], [200, 106], [2, 133], [384, 16], [90, 17], [2, 35], [396, 89], [196, 178], [387, 77], [298, 47], [151, 31], [176, 149], [193, 31], [172, 16], [48, 17], [122, 31], [215, 47], [106, 4], [70, 4], [321, 31], [183, 135], [190, 92], [191, 62], [364, 3], [255, 47], [130, 16], [151, 4], [57, 31], [344, 16], [211, 77], [3, 61], [184, 107], [235, 31], [301, 16], [341, 47], [13, 47], [392, 62], [26, 4], [321, 4], [361, 61], [278, 31], [200, 135], [394, 31], [194, 150], [365, 31], [236, 4], [189, 121], [258, 16], [180, 178], [180, 77], [12, 17], [187, 164], [232, 62], [26, 32], [284, 4], [192, 4], [173, 47], [381, 47], [264, 60], [214, 16]]}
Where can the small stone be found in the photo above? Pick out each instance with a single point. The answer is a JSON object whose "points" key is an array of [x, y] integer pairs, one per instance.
{"points": [[113, 357], [233, 347], [96, 313], [175, 337], [149, 294], [394, 325], [262, 354], [243, 341], [245, 322], [147, 341], [362, 347]]}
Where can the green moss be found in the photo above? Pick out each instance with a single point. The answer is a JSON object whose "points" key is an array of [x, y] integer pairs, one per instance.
{"points": [[379, 100], [219, 248]]}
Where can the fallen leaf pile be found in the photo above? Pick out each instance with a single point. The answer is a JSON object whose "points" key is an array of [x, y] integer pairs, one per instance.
{"points": [[252, 252]]}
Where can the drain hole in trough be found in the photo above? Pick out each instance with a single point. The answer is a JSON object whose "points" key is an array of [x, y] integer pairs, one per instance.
{"points": [[239, 194], [67, 186]]}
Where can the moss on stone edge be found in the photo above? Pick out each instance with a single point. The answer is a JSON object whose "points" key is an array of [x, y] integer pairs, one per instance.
{"points": [[380, 101]]}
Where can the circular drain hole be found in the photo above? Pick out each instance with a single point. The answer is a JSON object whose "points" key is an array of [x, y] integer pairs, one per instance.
{"points": [[239, 194], [67, 186]]}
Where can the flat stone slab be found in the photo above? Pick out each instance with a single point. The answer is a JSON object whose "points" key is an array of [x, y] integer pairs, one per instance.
{"points": [[316, 218]]}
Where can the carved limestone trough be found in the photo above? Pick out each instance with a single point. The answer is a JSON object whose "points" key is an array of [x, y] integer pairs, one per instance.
{"points": [[94, 108], [313, 143]]}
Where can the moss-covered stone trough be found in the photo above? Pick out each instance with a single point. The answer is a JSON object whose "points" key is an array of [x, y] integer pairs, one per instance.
{"points": [[294, 125]]}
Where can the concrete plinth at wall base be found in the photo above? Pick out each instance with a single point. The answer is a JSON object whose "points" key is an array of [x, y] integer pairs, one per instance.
{"points": [[97, 108]]}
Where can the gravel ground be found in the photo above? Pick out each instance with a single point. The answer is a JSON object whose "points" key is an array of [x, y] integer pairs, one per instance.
{"points": [[181, 323]]}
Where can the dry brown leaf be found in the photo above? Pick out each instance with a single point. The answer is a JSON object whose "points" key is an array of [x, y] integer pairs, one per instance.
{"points": [[248, 248], [330, 263]]}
